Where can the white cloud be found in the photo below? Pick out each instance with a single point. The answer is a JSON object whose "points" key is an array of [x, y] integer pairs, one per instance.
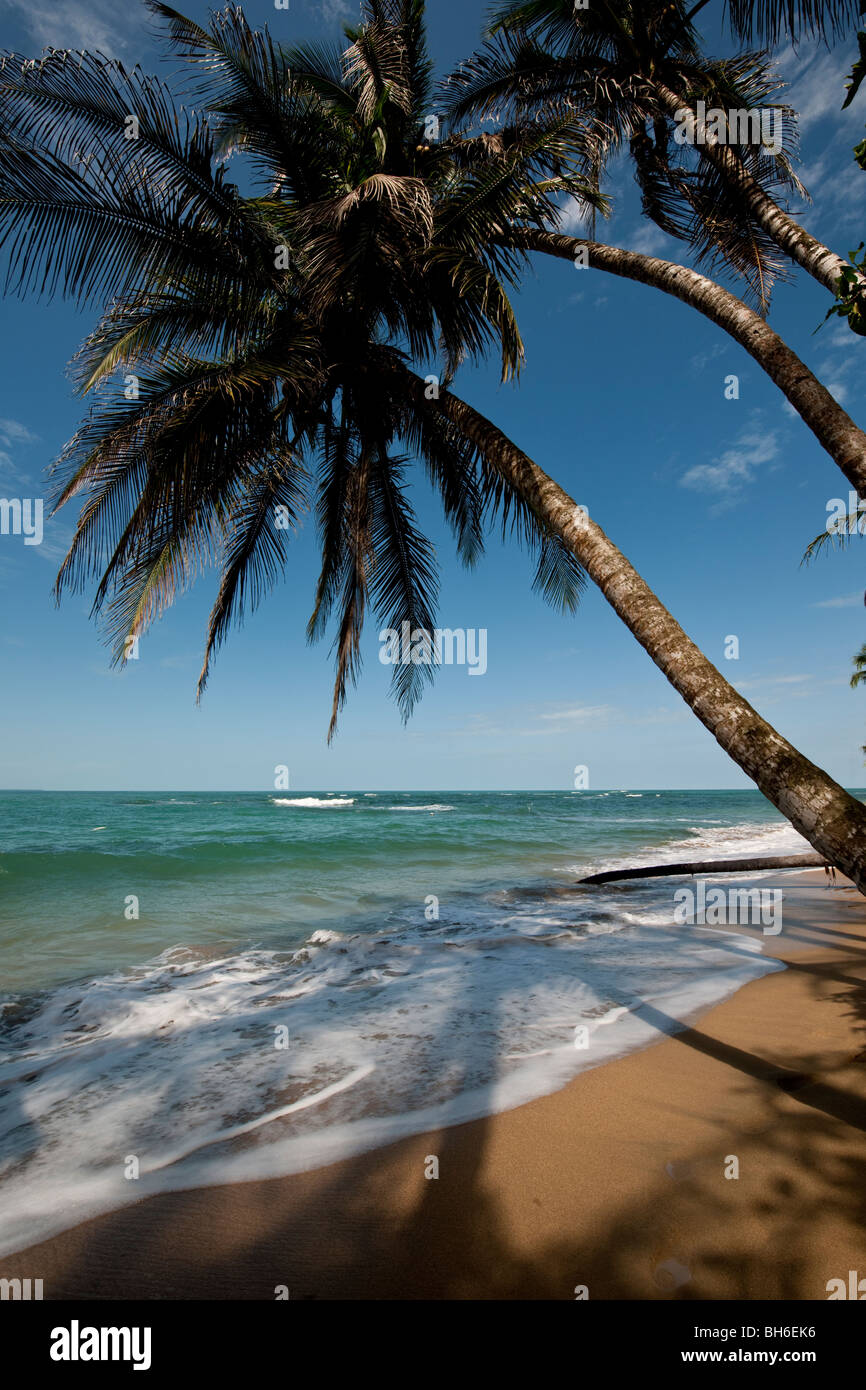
{"points": [[87, 24], [843, 601], [702, 360], [13, 432], [842, 337], [575, 220], [733, 469], [648, 240], [335, 11], [817, 85], [532, 722], [577, 714], [761, 682], [812, 174]]}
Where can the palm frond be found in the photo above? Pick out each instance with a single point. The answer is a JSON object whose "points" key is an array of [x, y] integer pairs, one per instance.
{"points": [[258, 523], [837, 534], [403, 581], [772, 20]]}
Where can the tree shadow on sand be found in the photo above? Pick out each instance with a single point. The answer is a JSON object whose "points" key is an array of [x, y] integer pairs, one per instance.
{"points": [[362, 1229]]}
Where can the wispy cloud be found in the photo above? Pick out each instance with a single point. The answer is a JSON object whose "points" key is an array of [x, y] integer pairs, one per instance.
{"points": [[56, 542], [702, 360], [842, 337], [760, 682], [533, 722], [13, 435], [577, 714], [13, 432], [817, 85], [843, 601], [575, 220], [87, 24], [648, 240], [732, 470], [335, 11], [180, 663], [839, 390]]}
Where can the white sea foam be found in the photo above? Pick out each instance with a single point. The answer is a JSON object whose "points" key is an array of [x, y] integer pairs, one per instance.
{"points": [[309, 801], [709, 840], [218, 1067]]}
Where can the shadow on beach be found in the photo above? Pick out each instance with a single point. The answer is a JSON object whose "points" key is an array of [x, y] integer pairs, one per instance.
{"points": [[616, 1183]]}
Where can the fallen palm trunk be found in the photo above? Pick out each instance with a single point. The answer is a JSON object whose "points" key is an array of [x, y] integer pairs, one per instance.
{"points": [[712, 866]]}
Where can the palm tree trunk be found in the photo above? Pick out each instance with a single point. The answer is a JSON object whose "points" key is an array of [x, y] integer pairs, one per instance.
{"points": [[831, 425], [818, 260], [830, 819]]}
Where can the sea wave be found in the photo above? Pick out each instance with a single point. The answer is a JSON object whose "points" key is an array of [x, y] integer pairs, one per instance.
{"points": [[308, 801], [219, 1066], [705, 841]]}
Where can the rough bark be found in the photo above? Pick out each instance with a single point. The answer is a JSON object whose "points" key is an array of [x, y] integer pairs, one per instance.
{"points": [[818, 260], [831, 820], [832, 426]]}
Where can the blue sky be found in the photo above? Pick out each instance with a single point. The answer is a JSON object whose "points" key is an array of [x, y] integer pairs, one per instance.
{"points": [[622, 401]]}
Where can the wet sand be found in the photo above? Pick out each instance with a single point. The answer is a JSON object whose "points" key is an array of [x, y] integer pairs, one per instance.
{"points": [[617, 1183]]}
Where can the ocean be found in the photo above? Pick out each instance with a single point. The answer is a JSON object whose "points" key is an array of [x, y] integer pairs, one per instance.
{"points": [[208, 987]]}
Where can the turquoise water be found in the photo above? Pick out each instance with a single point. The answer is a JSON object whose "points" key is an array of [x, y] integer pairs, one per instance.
{"points": [[238, 985], [238, 868]]}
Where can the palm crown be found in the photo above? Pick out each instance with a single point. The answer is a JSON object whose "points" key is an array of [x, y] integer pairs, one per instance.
{"points": [[267, 339], [617, 66]]}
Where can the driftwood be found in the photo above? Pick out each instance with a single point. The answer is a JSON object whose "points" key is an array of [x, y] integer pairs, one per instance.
{"points": [[712, 866]]}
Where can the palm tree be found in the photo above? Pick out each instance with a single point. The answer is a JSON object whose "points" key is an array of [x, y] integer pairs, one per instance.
{"points": [[632, 69], [271, 344], [260, 333]]}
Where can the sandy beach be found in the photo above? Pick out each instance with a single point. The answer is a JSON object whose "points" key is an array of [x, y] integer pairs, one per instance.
{"points": [[616, 1183]]}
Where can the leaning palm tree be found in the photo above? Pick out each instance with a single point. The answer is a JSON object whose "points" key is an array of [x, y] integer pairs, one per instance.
{"points": [[595, 67], [636, 69], [594, 73], [274, 347]]}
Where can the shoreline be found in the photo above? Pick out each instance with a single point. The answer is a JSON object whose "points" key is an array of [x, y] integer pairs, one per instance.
{"points": [[616, 1181]]}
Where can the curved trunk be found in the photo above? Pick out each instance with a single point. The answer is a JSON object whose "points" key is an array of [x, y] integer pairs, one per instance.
{"points": [[830, 819], [818, 260], [832, 426]]}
